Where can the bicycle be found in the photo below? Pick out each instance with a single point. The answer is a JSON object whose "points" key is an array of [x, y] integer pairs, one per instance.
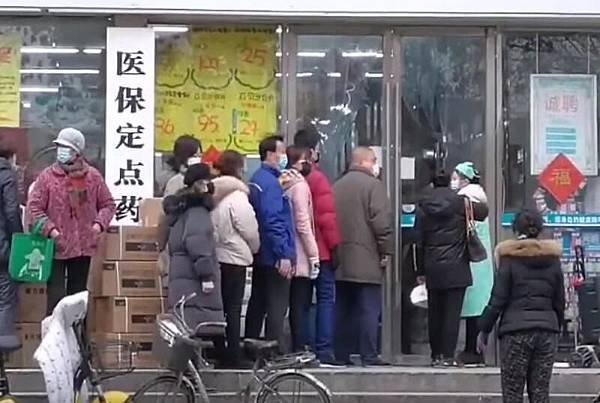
{"points": [[179, 350]]}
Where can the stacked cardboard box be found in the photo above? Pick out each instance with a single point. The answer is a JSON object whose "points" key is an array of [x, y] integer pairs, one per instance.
{"points": [[128, 294], [31, 311]]}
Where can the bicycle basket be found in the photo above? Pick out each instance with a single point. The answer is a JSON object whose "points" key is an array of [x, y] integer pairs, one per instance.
{"points": [[172, 346], [113, 357]]}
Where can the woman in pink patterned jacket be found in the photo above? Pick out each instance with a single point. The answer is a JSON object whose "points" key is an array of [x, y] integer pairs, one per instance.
{"points": [[306, 267], [76, 206]]}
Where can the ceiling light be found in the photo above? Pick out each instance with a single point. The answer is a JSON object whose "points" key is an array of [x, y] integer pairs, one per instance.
{"points": [[362, 54], [335, 74], [374, 75], [39, 89], [307, 74], [170, 28], [48, 49], [92, 51], [312, 54], [60, 71], [26, 104]]}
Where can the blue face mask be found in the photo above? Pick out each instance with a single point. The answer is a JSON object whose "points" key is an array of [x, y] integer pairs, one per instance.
{"points": [[283, 161], [64, 155]]}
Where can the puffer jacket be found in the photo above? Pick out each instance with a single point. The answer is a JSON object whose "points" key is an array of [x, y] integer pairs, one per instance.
{"points": [[236, 229], [298, 193], [326, 227], [192, 256], [10, 213], [49, 200], [528, 292], [442, 238]]}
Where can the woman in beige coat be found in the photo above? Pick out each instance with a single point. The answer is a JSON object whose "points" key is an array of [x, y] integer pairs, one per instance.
{"points": [[237, 240], [307, 253]]}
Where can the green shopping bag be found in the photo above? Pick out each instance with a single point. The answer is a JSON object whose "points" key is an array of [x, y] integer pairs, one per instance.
{"points": [[31, 256]]}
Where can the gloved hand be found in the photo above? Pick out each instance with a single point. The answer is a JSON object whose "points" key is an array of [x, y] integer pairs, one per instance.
{"points": [[482, 342]]}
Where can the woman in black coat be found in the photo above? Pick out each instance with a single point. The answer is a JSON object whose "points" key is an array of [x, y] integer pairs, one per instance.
{"points": [[443, 262], [529, 297], [193, 264]]}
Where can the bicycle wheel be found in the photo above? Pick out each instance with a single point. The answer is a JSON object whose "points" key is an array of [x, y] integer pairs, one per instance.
{"points": [[293, 387], [165, 389]]}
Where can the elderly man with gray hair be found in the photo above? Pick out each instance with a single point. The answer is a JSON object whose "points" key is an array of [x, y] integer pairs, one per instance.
{"points": [[365, 222]]}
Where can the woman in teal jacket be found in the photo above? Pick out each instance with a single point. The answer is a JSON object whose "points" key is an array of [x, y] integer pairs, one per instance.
{"points": [[465, 180]]}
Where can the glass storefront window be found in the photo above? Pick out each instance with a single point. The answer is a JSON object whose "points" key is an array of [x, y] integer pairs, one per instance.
{"points": [[221, 85], [339, 85], [543, 53], [443, 106], [62, 85]]}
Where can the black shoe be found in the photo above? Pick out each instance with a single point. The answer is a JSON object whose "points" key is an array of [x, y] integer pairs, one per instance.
{"points": [[450, 363], [470, 359], [376, 362], [332, 362], [436, 362]]}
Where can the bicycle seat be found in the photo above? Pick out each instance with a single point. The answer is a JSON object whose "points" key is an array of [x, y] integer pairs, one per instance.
{"points": [[260, 346], [209, 329], [9, 343]]}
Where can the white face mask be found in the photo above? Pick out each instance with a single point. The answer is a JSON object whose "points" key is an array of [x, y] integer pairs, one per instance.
{"points": [[376, 170], [455, 184], [193, 161]]}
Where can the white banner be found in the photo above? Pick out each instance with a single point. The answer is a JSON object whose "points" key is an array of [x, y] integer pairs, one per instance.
{"points": [[564, 121], [129, 119]]}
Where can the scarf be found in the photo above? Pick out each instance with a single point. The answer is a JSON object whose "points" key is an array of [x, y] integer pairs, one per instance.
{"points": [[76, 183]]}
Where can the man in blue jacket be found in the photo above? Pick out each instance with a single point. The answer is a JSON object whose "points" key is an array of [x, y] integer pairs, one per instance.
{"points": [[273, 266]]}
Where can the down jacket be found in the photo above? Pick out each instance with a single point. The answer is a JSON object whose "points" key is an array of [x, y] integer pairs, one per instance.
{"points": [[49, 199], [274, 217], [326, 228], [10, 213], [236, 229], [442, 239], [297, 191], [528, 292], [192, 256]]}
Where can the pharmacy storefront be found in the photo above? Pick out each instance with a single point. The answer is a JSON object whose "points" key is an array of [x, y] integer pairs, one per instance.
{"points": [[512, 88]]}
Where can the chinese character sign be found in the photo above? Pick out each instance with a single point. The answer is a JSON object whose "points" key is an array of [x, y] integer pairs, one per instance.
{"points": [[563, 121], [130, 119], [561, 179], [10, 80], [217, 84]]}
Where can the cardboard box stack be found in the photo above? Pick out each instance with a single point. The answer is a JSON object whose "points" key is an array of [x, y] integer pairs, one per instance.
{"points": [[128, 294], [31, 312]]}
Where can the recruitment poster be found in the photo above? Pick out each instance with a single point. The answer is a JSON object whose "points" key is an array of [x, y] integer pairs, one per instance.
{"points": [[564, 121], [219, 86], [10, 80]]}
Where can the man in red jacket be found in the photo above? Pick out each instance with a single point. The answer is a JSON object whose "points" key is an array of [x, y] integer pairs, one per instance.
{"points": [[328, 238]]}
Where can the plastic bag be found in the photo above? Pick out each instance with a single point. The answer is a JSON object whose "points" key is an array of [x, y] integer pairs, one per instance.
{"points": [[418, 296]]}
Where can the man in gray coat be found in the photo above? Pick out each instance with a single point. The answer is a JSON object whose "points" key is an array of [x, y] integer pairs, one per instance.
{"points": [[365, 223]]}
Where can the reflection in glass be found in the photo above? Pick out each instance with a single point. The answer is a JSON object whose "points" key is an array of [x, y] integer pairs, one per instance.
{"points": [[339, 85], [443, 106]]}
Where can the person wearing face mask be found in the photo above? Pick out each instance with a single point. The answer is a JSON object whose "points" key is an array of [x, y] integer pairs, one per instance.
{"points": [[364, 217], [187, 151], [465, 180], [273, 266], [76, 206], [443, 263], [237, 240], [194, 267], [10, 223], [297, 191], [328, 239]]}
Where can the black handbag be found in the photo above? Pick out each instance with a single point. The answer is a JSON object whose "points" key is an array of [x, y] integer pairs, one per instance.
{"points": [[475, 248]]}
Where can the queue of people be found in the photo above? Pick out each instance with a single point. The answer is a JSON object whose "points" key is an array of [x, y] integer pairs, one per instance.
{"points": [[309, 242]]}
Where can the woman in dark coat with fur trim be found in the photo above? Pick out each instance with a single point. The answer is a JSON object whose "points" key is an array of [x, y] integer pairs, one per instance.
{"points": [[193, 262], [529, 297]]}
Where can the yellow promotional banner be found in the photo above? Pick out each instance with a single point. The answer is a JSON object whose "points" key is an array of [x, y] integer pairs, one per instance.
{"points": [[219, 86], [10, 80]]}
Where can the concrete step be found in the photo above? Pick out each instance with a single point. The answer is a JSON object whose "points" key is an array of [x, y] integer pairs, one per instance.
{"points": [[370, 385]]}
